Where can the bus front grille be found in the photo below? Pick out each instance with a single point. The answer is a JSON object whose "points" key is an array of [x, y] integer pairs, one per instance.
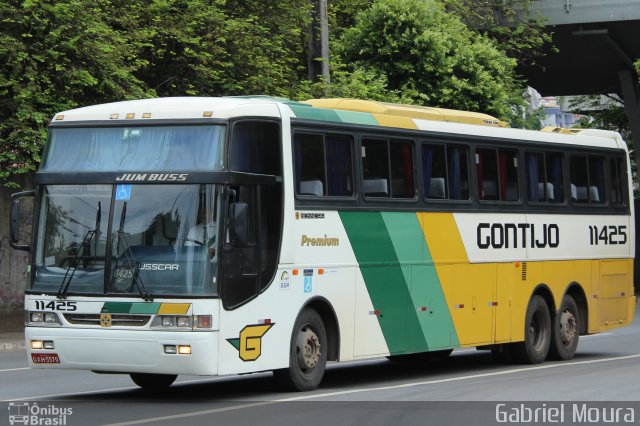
{"points": [[116, 319]]}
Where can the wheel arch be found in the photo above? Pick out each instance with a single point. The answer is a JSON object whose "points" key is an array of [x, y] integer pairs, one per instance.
{"points": [[575, 290], [545, 292], [330, 320]]}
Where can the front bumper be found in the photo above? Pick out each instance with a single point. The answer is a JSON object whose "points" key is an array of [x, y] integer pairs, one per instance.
{"points": [[126, 351]]}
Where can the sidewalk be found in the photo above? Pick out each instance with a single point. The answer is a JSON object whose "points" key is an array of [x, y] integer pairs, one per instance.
{"points": [[11, 332]]}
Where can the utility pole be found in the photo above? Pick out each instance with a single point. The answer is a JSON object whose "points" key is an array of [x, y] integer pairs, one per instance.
{"points": [[318, 59]]}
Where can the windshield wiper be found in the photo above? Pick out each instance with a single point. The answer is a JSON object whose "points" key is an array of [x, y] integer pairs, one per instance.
{"points": [[66, 280], [130, 259]]}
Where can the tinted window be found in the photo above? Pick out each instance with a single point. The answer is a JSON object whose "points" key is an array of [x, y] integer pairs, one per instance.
{"points": [[497, 172], [544, 177], [323, 164], [444, 172], [255, 148], [587, 179], [387, 168]]}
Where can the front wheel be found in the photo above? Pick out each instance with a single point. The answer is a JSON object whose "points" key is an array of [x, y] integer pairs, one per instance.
{"points": [[566, 330], [537, 334], [307, 353], [153, 381]]}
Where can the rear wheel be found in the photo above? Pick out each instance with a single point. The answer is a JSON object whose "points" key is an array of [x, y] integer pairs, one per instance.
{"points": [[537, 334], [153, 381], [307, 354], [566, 330]]}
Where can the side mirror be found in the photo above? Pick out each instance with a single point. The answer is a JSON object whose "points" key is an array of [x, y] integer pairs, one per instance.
{"points": [[15, 220]]}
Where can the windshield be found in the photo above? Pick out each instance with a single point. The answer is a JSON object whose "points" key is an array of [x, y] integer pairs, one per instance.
{"points": [[96, 149], [161, 238]]}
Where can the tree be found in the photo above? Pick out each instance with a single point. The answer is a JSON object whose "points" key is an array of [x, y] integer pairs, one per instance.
{"points": [[431, 57], [61, 55], [517, 30], [55, 56]]}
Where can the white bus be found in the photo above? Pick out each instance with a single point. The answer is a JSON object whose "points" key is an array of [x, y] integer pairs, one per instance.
{"points": [[214, 236]]}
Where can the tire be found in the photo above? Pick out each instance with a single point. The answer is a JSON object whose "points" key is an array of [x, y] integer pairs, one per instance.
{"points": [[307, 353], [537, 334], [566, 330], [153, 381]]}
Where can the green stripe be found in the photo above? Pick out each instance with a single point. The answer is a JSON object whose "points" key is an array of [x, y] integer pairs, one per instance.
{"points": [[116, 308], [311, 113], [385, 280], [436, 324], [357, 117], [145, 308]]}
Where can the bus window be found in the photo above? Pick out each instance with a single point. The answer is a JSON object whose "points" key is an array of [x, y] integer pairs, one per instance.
{"points": [[587, 179], [544, 177], [323, 165], [497, 174], [375, 168], [618, 179], [310, 167], [555, 181], [434, 172], [387, 168], [457, 163], [402, 170], [596, 180], [255, 148]]}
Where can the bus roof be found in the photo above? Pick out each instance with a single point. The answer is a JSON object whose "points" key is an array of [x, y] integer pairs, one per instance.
{"points": [[348, 111]]}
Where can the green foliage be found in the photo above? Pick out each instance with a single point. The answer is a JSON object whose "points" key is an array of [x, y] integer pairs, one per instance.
{"points": [[54, 57], [517, 30], [431, 57], [603, 112], [61, 55], [71, 53]]}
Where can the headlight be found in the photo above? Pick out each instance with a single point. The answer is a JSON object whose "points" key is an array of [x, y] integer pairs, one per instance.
{"points": [[168, 321], [50, 318], [43, 318], [184, 322]]}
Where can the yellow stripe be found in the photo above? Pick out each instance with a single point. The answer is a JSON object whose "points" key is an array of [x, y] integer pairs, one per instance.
{"points": [[472, 288], [174, 308], [443, 238]]}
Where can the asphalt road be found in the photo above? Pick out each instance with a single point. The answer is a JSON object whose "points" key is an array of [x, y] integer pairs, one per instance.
{"points": [[464, 389]]}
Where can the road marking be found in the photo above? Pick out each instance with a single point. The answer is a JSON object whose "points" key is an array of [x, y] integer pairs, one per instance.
{"points": [[15, 369], [352, 391], [99, 391], [595, 335]]}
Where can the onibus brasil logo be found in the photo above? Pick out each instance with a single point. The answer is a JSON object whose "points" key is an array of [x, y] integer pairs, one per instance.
{"points": [[28, 413], [249, 344]]}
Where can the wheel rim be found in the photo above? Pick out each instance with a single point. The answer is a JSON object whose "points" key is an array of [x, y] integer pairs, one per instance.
{"points": [[536, 330], [568, 327], [308, 349]]}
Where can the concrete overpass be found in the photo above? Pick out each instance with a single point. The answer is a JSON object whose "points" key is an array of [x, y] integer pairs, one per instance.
{"points": [[598, 42]]}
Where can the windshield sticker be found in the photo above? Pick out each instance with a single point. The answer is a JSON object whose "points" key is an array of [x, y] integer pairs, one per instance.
{"points": [[308, 280], [285, 281], [123, 192]]}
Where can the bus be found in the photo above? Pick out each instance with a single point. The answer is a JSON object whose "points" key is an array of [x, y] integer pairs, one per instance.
{"points": [[217, 236]]}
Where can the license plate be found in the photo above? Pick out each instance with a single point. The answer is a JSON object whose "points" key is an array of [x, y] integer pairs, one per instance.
{"points": [[45, 358]]}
